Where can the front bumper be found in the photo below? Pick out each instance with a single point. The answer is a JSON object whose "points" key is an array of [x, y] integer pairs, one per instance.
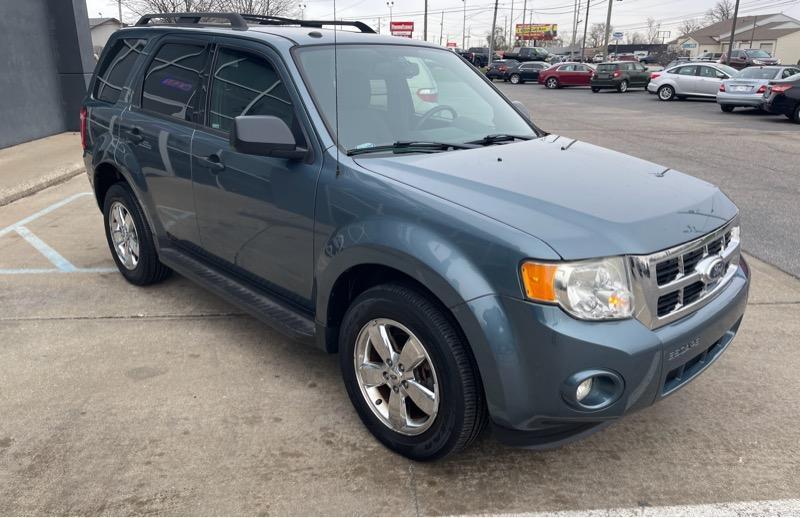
{"points": [[727, 98], [526, 352]]}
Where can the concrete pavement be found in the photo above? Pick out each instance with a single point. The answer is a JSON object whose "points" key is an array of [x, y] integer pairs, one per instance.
{"points": [[166, 400], [32, 166]]}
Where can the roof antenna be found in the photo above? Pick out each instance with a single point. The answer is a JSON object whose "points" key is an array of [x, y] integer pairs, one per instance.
{"points": [[336, 90]]}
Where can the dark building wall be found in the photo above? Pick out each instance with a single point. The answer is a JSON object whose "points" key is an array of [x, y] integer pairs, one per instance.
{"points": [[45, 65]]}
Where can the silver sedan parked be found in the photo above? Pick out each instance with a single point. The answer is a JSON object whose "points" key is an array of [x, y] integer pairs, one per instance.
{"points": [[689, 80], [747, 88]]}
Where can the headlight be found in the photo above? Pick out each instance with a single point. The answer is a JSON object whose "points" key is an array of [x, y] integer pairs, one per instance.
{"points": [[591, 290], [758, 62]]}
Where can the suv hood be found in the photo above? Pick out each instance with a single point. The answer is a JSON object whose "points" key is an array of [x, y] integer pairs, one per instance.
{"points": [[583, 200]]}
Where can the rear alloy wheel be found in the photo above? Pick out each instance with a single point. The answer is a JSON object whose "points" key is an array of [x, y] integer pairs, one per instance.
{"points": [[666, 93], [409, 373], [514, 79], [551, 83], [623, 86], [727, 108]]}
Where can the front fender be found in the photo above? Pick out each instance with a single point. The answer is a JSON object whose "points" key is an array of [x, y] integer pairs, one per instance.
{"points": [[418, 252]]}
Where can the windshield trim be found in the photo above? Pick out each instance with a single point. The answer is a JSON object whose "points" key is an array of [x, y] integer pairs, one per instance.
{"points": [[329, 127]]}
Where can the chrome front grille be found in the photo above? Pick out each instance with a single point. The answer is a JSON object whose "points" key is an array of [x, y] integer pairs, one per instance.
{"points": [[673, 283]]}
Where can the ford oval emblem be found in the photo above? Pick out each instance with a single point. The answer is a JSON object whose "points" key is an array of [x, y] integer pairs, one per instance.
{"points": [[711, 269]]}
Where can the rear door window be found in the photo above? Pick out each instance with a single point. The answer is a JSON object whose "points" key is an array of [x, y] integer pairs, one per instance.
{"points": [[115, 69], [174, 81], [687, 70]]}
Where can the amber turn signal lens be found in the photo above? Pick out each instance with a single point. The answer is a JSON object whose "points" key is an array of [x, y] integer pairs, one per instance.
{"points": [[539, 281]]}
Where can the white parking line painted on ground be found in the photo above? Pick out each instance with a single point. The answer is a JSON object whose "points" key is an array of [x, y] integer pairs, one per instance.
{"points": [[62, 265], [788, 507]]}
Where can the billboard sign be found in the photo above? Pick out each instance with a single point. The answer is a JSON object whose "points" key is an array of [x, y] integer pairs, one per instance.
{"points": [[403, 29], [536, 31]]}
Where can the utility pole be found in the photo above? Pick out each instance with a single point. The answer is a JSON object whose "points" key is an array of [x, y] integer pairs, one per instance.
{"points": [[119, 7], [585, 27], [524, 10], [425, 23], [441, 28], [491, 35], [753, 34], [511, 37], [575, 24], [608, 29], [733, 34], [464, 27]]}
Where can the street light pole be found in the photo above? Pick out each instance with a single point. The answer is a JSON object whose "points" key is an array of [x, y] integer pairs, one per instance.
{"points": [[390, 5], [302, 11], [425, 23], [524, 11], [464, 27], [441, 28], [733, 33]]}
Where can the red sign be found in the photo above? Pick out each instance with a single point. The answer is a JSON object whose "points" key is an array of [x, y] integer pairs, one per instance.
{"points": [[451, 44], [405, 29]]}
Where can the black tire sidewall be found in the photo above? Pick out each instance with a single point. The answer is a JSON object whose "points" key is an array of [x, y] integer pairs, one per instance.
{"points": [[442, 436], [796, 116], [147, 254]]}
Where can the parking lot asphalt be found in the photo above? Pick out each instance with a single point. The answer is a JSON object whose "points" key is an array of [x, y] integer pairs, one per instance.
{"points": [[121, 400], [752, 156]]}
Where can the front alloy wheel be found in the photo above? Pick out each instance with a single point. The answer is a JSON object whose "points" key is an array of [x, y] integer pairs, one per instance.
{"points": [[552, 83], [396, 376]]}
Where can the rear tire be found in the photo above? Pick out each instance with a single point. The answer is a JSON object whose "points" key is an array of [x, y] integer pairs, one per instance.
{"points": [[515, 79], [727, 108], [408, 316], [796, 116], [130, 239], [666, 93], [622, 87], [595, 89], [551, 83]]}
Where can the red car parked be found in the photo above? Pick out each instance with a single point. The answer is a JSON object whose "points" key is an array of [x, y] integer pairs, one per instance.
{"points": [[566, 74]]}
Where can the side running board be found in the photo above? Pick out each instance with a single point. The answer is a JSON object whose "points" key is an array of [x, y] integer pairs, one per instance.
{"points": [[265, 308]]}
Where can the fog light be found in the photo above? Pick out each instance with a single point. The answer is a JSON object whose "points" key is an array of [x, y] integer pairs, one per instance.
{"points": [[583, 389]]}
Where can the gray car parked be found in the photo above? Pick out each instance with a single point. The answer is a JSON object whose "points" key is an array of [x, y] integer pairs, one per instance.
{"points": [[289, 169], [689, 80], [748, 87]]}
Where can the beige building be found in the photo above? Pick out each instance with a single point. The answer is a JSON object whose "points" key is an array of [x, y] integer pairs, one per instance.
{"points": [[777, 34], [102, 29]]}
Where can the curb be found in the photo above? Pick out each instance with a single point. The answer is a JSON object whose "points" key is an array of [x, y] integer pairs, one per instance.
{"points": [[43, 182]]}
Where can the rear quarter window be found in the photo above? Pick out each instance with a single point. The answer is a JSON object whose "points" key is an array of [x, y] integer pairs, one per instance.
{"points": [[113, 72]]}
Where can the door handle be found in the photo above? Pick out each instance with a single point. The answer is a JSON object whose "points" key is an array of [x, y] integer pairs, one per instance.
{"points": [[135, 134], [212, 162]]}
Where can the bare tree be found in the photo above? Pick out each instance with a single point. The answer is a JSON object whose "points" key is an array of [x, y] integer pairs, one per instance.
{"points": [[261, 7], [653, 28], [689, 25], [635, 38], [171, 6], [499, 39], [722, 10], [597, 33]]}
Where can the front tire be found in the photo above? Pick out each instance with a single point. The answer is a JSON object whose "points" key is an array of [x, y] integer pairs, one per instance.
{"points": [[551, 83], [130, 239], [409, 373], [796, 115], [666, 93]]}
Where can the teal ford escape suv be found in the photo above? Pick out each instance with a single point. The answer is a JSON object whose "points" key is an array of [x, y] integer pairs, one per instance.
{"points": [[376, 197]]}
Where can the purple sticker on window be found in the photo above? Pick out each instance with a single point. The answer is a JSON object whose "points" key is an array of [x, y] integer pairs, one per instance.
{"points": [[176, 83]]}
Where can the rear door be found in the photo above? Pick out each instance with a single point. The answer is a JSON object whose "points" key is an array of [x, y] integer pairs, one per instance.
{"points": [[169, 101], [255, 213], [687, 80], [567, 74]]}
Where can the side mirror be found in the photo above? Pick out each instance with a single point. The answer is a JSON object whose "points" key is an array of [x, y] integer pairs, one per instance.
{"points": [[265, 135], [522, 109]]}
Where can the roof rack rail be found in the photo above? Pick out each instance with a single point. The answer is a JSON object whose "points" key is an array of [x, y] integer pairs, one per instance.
{"points": [[237, 22], [278, 20]]}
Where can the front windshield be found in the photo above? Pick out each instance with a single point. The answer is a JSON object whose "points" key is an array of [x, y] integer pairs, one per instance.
{"points": [[758, 53], [759, 73], [395, 93]]}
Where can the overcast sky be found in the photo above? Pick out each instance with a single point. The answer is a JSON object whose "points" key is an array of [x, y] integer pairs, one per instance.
{"points": [[628, 15]]}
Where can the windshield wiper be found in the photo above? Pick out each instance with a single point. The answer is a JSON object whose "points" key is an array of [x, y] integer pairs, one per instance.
{"points": [[409, 146], [488, 140]]}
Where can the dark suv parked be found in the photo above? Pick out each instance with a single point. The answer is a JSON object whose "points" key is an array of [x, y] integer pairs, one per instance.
{"points": [[620, 75], [375, 196]]}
